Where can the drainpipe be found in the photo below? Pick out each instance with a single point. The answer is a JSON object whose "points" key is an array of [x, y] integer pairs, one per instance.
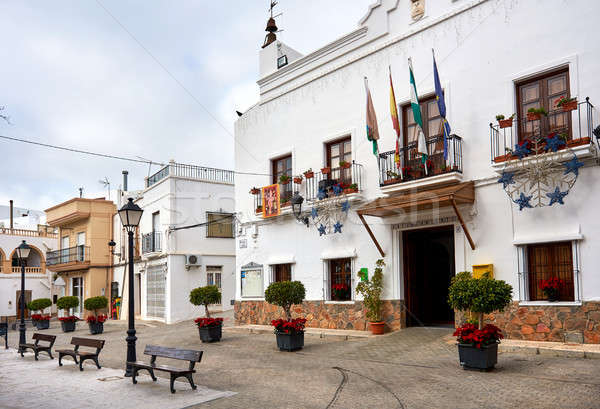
{"points": [[11, 215]]}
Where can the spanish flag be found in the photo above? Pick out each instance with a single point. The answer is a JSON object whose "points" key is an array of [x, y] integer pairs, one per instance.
{"points": [[395, 122]]}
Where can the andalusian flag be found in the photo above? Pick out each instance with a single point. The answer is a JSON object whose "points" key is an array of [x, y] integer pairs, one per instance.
{"points": [[372, 131], [395, 122], [439, 96], [416, 109]]}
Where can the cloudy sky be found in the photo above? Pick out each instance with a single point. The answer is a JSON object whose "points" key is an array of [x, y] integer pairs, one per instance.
{"points": [[72, 75]]}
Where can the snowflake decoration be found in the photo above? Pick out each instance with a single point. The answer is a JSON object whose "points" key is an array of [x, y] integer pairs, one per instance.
{"points": [[543, 179]]}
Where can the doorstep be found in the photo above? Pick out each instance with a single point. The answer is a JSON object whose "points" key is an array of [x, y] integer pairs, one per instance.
{"points": [[322, 332], [559, 349]]}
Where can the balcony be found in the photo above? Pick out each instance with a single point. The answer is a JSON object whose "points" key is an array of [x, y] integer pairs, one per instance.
{"points": [[411, 173], [349, 179], [151, 243], [575, 128], [71, 258], [42, 231], [28, 270], [191, 172]]}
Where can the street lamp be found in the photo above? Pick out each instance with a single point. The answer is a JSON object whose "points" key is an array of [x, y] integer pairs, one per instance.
{"points": [[297, 201], [22, 254], [130, 215]]}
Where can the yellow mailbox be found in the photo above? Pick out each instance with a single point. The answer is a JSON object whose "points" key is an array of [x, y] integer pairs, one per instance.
{"points": [[480, 269]]}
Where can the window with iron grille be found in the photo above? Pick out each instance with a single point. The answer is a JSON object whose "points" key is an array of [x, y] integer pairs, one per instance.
{"points": [[340, 279], [219, 225], [282, 272]]}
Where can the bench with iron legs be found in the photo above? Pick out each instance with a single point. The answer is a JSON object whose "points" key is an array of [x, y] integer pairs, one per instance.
{"points": [[174, 353], [36, 347], [83, 355]]}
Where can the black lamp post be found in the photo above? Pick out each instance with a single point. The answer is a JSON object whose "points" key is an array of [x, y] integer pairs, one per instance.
{"points": [[22, 254], [297, 201], [130, 215]]}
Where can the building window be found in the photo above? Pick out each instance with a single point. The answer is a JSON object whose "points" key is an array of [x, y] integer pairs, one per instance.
{"points": [[340, 279], [338, 151], [213, 276], [252, 282], [546, 261], [282, 272], [282, 166], [433, 128], [220, 225], [543, 91]]}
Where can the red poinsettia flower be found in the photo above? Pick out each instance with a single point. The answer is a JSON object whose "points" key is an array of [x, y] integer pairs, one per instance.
{"points": [[553, 284], [289, 327], [99, 319], [71, 318], [208, 322], [471, 334]]}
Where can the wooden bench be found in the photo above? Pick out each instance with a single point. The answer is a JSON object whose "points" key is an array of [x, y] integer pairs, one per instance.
{"points": [[36, 347], [83, 355], [182, 354], [4, 333]]}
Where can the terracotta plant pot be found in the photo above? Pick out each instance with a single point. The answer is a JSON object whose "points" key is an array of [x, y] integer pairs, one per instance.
{"points": [[578, 142], [258, 210], [255, 191], [284, 204], [377, 328], [505, 123], [569, 106], [309, 175], [391, 181], [287, 182], [345, 165], [350, 190], [325, 171], [532, 116], [298, 181]]}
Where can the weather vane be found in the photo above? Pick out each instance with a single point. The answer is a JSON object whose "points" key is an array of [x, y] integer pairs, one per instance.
{"points": [[273, 4]]}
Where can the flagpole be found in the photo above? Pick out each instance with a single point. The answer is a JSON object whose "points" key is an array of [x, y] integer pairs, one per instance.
{"points": [[393, 100]]}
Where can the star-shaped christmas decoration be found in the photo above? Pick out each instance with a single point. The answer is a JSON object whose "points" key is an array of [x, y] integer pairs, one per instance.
{"points": [[557, 196], [314, 213], [337, 189], [346, 206], [554, 143], [521, 150], [321, 195], [573, 166], [337, 227], [523, 201], [507, 179], [321, 230]]}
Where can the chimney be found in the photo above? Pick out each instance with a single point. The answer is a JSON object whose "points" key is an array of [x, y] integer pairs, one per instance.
{"points": [[125, 173], [11, 214]]}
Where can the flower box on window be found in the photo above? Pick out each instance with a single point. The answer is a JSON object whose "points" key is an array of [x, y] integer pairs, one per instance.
{"points": [[344, 164], [298, 180], [578, 142], [254, 191], [567, 104], [326, 170], [309, 174]]}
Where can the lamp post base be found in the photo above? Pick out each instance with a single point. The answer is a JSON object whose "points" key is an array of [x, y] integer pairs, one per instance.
{"points": [[131, 356]]}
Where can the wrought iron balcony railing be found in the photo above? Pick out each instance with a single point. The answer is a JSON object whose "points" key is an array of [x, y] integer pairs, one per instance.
{"points": [[151, 242], [575, 128], [79, 254], [411, 166], [191, 172]]}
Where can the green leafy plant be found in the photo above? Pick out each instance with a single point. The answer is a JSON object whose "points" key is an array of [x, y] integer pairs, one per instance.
{"points": [[391, 174], [284, 179], [478, 295], [206, 295], [95, 304], [285, 294], [353, 186], [501, 117], [564, 100], [371, 291], [540, 111], [67, 302]]}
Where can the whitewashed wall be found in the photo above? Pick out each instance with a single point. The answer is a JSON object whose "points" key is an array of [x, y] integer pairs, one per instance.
{"points": [[481, 48]]}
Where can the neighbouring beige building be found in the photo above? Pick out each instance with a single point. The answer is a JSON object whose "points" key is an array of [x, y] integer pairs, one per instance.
{"points": [[83, 259]]}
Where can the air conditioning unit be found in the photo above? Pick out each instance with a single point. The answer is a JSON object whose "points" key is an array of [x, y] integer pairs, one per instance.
{"points": [[193, 260]]}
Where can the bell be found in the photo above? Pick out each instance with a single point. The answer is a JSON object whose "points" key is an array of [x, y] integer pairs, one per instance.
{"points": [[271, 26]]}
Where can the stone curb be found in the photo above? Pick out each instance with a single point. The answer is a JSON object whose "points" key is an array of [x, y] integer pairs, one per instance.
{"points": [[550, 351], [266, 329]]}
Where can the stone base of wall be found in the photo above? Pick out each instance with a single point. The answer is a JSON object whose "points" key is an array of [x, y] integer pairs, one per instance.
{"points": [[577, 324], [321, 315]]}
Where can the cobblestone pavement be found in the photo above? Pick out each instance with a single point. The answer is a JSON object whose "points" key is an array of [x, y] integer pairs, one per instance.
{"points": [[412, 368]]}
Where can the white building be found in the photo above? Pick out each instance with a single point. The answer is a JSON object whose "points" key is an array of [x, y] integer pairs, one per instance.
{"points": [[38, 279], [494, 57], [176, 249]]}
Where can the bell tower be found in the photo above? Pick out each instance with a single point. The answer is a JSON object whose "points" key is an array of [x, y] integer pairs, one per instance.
{"points": [[271, 27]]}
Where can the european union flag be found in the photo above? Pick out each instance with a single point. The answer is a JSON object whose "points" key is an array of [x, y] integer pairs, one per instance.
{"points": [[439, 96]]}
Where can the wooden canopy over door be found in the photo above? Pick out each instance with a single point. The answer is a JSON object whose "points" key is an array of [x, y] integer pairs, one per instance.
{"points": [[454, 195]]}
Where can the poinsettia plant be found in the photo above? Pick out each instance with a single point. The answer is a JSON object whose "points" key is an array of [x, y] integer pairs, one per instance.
{"points": [[208, 322], [40, 317], [294, 326], [91, 319], [340, 291], [470, 334], [70, 318], [551, 287]]}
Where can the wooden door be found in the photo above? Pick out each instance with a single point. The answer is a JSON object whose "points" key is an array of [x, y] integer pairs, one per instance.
{"points": [[18, 303]]}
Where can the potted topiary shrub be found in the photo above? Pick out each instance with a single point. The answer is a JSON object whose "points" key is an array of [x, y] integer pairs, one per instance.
{"points": [[96, 322], [289, 332], [40, 321], [210, 329], [478, 344], [68, 322], [371, 291]]}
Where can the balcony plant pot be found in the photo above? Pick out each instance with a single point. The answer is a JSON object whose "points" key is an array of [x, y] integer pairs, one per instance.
{"points": [[298, 181], [211, 334], [350, 190], [569, 106], [345, 165], [391, 181], [68, 326], [290, 342], [287, 182], [505, 123], [377, 328], [578, 142], [482, 359], [258, 209], [96, 327], [533, 116], [285, 204], [255, 191], [42, 324], [309, 175], [326, 171]]}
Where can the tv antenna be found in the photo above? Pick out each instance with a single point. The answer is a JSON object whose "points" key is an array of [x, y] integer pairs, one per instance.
{"points": [[106, 183], [81, 192]]}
